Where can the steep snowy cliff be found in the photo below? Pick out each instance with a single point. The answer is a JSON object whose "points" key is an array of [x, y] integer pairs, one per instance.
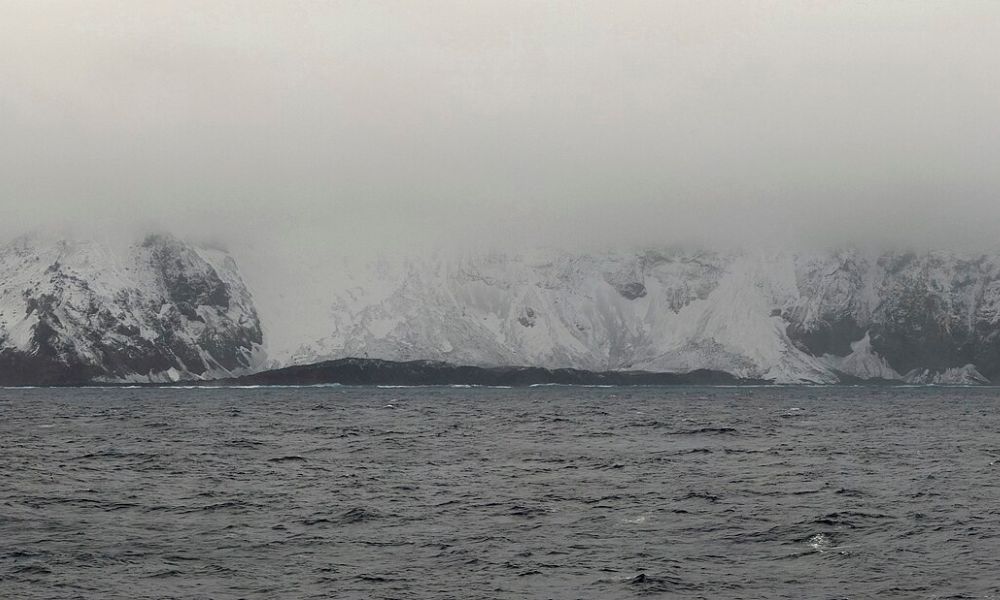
{"points": [[784, 317], [156, 310], [160, 310]]}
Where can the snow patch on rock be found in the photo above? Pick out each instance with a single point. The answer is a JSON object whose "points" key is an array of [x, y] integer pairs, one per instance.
{"points": [[965, 375], [863, 362]]}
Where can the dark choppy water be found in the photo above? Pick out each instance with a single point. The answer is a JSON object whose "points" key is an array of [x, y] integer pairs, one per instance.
{"points": [[480, 493]]}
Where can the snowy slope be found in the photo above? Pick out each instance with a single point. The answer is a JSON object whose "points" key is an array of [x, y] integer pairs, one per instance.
{"points": [[160, 309], [153, 310], [782, 316]]}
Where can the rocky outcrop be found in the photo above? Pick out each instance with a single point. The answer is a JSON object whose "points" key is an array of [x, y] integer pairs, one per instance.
{"points": [[932, 317], [158, 310]]}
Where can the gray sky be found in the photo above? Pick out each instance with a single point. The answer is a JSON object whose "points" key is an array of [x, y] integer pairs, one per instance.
{"points": [[331, 125]]}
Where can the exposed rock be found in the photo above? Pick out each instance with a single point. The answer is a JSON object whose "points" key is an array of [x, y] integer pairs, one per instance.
{"points": [[965, 375], [160, 310]]}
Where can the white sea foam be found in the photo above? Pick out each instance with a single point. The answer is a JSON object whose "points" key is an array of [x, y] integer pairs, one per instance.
{"points": [[819, 542]]}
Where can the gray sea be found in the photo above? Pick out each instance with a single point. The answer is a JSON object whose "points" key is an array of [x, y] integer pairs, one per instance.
{"points": [[552, 492]]}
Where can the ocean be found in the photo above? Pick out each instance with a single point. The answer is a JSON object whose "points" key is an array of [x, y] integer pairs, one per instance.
{"points": [[465, 493]]}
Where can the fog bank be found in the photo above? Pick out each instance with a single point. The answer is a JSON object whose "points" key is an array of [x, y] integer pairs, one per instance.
{"points": [[340, 127]]}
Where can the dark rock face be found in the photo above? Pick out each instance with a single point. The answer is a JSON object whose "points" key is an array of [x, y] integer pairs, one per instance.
{"points": [[528, 318], [189, 283], [632, 290], [832, 335], [629, 278], [17, 368], [827, 323], [927, 313], [155, 311], [936, 322]]}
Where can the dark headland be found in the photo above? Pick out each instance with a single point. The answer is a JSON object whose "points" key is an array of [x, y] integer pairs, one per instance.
{"points": [[361, 371]]}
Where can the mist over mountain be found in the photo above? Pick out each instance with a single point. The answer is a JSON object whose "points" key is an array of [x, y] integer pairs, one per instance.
{"points": [[796, 192], [781, 316], [161, 309]]}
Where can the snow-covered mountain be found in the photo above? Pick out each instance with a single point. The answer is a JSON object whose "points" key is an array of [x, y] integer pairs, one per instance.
{"points": [[161, 309], [818, 317], [155, 310]]}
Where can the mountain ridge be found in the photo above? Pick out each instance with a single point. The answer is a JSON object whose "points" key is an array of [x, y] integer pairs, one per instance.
{"points": [[809, 317], [160, 309]]}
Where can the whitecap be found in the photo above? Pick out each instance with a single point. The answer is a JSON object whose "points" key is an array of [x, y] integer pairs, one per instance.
{"points": [[819, 542]]}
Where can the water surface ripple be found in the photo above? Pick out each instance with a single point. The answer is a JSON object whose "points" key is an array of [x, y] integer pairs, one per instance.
{"points": [[489, 493]]}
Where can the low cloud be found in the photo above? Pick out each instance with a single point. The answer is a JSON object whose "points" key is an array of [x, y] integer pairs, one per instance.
{"points": [[337, 127]]}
